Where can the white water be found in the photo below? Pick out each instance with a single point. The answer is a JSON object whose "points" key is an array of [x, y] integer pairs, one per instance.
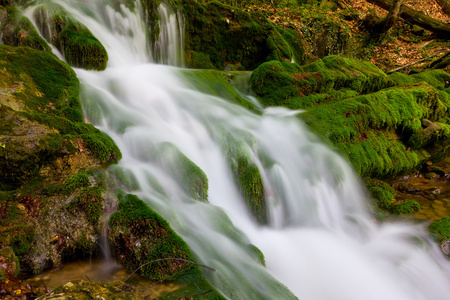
{"points": [[322, 243]]}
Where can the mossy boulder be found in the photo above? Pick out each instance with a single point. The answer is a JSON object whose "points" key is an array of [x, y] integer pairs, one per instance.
{"points": [[17, 30], [9, 263], [142, 240], [300, 87], [246, 174], [441, 232], [79, 46], [189, 176], [218, 35]]}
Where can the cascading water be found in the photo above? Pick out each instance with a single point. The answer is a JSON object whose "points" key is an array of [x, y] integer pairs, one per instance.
{"points": [[322, 242]]}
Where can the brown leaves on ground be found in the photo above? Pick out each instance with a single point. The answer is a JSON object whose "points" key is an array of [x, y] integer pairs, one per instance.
{"points": [[402, 49]]}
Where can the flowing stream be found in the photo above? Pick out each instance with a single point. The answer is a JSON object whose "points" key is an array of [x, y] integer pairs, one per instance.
{"points": [[322, 241]]}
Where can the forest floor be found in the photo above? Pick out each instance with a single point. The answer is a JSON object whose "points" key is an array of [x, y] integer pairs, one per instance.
{"points": [[406, 45]]}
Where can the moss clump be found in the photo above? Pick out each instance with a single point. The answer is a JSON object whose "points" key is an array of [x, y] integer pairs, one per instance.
{"points": [[83, 50], [102, 146], [135, 223], [218, 83], [405, 208], [141, 237], [441, 229], [76, 181], [381, 192], [79, 46], [90, 202]]}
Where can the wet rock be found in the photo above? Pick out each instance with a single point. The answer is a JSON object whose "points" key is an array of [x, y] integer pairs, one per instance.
{"points": [[50, 207], [87, 290], [139, 236], [9, 264], [407, 188], [441, 232], [430, 175]]}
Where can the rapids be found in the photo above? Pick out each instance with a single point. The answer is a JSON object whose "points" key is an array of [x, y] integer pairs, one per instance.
{"points": [[322, 241]]}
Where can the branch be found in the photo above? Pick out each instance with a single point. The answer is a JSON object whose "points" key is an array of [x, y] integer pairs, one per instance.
{"points": [[169, 258], [417, 62], [445, 4]]}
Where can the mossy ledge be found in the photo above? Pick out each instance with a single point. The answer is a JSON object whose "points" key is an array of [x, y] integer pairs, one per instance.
{"points": [[50, 186], [142, 238], [378, 122]]}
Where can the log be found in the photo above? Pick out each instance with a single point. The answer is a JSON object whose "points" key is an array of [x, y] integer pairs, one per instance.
{"points": [[415, 17], [445, 4], [392, 16]]}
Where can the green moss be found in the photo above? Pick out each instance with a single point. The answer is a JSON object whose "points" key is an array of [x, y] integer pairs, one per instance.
{"points": [[90, 202], [246, 174], [102, 146], [441, 229], [190, 177], [332, 78], [76, 181], [251, 185], [372, 130], [405, 208], [381, 192], [134, 220], [217, 83], [257, 254], [228, 35], [79, 46], [2, 276], [17, 30], [83, 50], [21, 239]]}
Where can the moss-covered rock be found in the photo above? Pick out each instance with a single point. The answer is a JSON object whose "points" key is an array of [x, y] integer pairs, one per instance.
{"points": [[381, 192], [139, 235], [300, 87], [368, 121], [246, 175], [90, 290], [142, 240], [79, 46], [220, 83], [189, 176], [218, 35], [405, 208], [17, 30], [441, 232], [9, 263], [51, 199]]}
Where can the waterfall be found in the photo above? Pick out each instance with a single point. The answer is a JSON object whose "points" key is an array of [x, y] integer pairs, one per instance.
{"points": [[322, 241]]}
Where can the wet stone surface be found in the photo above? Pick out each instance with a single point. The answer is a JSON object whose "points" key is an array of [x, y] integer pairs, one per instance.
{"points": [[430, 188]]}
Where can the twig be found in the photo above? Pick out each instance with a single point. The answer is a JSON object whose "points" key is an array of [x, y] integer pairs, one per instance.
{"points": [[169, 258], [418, 61]]}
